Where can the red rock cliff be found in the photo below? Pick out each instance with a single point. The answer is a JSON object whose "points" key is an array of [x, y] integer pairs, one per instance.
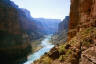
{"points": [[82, 15]]}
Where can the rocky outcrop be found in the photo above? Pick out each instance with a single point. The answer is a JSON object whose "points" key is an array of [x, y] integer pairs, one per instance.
{"points": [[82, 15], [81, 49]]}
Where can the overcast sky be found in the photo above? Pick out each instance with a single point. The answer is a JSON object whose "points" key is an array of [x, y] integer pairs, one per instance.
{"points": [[56, 9]]}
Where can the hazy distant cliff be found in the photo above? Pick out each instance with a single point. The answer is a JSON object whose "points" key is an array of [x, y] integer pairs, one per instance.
{"points": [[64, 24], [62, 32], [49, 26]]}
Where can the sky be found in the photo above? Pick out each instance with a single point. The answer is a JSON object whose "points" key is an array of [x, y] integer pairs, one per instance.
{"points": [[52, 9]]}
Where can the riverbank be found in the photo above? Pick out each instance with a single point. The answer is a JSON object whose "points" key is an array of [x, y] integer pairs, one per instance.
{"points": [[46, 47], [36, 45]]}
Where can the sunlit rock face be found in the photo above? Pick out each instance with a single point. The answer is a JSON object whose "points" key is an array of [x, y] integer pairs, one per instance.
{"points": [[82, 15], [16, 30]]}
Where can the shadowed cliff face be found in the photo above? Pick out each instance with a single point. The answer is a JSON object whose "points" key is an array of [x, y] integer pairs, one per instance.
{"points": [[13, 46], [17, 28], [29, 25]]}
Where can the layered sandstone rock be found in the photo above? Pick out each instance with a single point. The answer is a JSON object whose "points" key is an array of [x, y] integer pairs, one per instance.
{"points": [[82, 15]]}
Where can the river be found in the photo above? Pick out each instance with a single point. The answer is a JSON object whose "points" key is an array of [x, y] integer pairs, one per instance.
{"points": [[46, 47]]}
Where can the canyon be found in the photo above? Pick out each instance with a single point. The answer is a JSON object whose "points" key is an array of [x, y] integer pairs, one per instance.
{"points": [[80, 47], [74, 38], [17, 32]]}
